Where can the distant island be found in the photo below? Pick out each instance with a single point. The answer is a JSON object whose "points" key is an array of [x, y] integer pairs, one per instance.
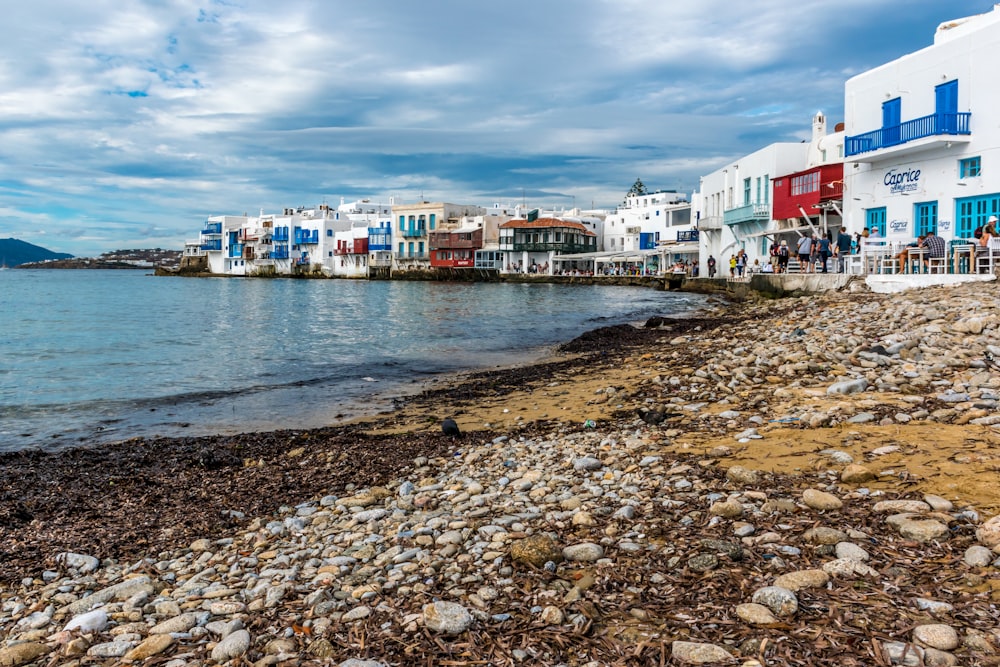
{"points": [[19, 254], [14, 252]]}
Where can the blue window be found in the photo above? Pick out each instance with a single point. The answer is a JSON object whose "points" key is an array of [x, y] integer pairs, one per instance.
{"points": [[421, 248], [767, 188], [970, 167], [401, 251], [433, 216], [925, 214], [875, 220], [746, 191], [973, 212], [402, 223], [329, 232], [411, 248]]}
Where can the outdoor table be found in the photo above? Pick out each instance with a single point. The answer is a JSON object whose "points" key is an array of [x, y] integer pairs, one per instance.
{"points": [[963, 254]]}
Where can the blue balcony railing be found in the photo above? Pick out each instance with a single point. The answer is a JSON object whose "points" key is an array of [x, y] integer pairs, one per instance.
{"points": [[280, 252], [929, 126], [749, 213], [413, 232], [215, 244], [212, 228], [236, 250], [280, 234], [305, 236]]}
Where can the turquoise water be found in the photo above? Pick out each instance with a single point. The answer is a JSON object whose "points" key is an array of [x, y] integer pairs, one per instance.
{"points": [[97, 356]]}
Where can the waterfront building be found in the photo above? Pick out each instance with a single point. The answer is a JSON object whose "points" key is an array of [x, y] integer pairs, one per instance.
{"points": [[455, 248], [532, 245], [809, 201], [653, 229], [733, 204], [922, 150], [414, 222]]}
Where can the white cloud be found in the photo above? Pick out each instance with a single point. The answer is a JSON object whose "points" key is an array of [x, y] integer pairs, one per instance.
{"points": [[124, 121]]}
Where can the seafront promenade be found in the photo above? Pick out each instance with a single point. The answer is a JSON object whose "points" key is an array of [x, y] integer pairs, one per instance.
{"points": [[800, 481]]}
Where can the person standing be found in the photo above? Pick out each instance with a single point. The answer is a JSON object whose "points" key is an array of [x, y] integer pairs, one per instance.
{"points": [[732, 266], [843, 249], [805, 253], [783, 253], [741, 263], [711, 266]]}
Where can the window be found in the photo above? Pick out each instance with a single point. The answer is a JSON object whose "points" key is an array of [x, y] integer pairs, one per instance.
{"points": [[822, 155], [758, 199], [432, 220], [970, 167], [926, 215], [767, 188], [875, 220], [329, 232], [402, 223], [401, 249], [746, 191], [973, 212], [805, 183]]}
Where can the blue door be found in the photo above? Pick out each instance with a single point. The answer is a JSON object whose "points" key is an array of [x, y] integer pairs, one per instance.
{"points": [[946, 107], [890, 122]]}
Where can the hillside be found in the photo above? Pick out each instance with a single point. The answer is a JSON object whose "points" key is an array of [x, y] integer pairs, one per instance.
{"points": [[14, 252]]}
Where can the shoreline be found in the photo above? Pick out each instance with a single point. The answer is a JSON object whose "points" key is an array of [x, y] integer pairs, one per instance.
{"points": [[687, 460]]}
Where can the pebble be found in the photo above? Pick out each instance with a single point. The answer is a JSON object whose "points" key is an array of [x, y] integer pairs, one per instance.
{"points": [[821, 500], [447, 618], [781, 601], [696, 653], [232, 646], [936, 635]]}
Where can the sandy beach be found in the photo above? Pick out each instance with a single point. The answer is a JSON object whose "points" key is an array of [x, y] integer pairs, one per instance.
{"points": [[801, 481]]}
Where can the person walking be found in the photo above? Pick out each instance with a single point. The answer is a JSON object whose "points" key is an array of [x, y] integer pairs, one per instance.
{"points": [[825, 251], [844, 243]]}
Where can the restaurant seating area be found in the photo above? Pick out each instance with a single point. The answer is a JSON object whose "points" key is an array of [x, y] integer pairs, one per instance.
{"points": [[962, 256]]}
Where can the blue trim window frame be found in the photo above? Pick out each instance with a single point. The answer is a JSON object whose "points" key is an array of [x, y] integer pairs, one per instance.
{"points": [[875, 220], [972, 212], [746, 191], [970, 167], [925, 216], [402, 223]]}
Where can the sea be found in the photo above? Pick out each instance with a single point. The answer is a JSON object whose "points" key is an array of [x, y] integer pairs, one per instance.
{"points": [[95, 356]]}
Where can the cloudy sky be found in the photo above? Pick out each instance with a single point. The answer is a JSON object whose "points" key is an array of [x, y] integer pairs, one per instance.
{"points": [[125, 123]]}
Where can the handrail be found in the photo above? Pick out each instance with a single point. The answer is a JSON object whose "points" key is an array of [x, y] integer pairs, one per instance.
{"points": [[927, 126]]}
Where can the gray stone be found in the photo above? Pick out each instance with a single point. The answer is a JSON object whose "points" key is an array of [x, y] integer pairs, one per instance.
{"points": [[448, 618], [587, 463], [781, 601], [700, 654], [936, 635], [234, 645], [855, 386], [585, 552]]}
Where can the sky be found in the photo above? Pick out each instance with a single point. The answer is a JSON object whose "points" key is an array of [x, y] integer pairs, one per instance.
{"points": [[126, 123]]}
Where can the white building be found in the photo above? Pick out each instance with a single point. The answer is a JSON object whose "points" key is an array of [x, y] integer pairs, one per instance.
{"points": [[733, 204], [923, 136]]}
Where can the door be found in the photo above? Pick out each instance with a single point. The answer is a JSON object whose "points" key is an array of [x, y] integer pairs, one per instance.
{"points": [[890, 122], [946, 107]]}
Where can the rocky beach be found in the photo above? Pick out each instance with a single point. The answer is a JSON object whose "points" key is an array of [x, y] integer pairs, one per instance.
{"points": [[807, 481]]}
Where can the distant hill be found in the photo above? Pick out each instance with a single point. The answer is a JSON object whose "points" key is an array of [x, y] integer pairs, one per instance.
{"points": [[14, 252]]}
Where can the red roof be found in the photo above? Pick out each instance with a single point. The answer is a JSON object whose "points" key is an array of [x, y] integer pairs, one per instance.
{"points": [[546, 223]]}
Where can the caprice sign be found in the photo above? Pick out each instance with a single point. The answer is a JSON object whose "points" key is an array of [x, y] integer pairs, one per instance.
{"points": [[899, 181]]}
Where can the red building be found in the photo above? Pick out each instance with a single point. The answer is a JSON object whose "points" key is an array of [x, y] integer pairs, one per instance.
{"points": [[455, 248], [813, 194]]}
